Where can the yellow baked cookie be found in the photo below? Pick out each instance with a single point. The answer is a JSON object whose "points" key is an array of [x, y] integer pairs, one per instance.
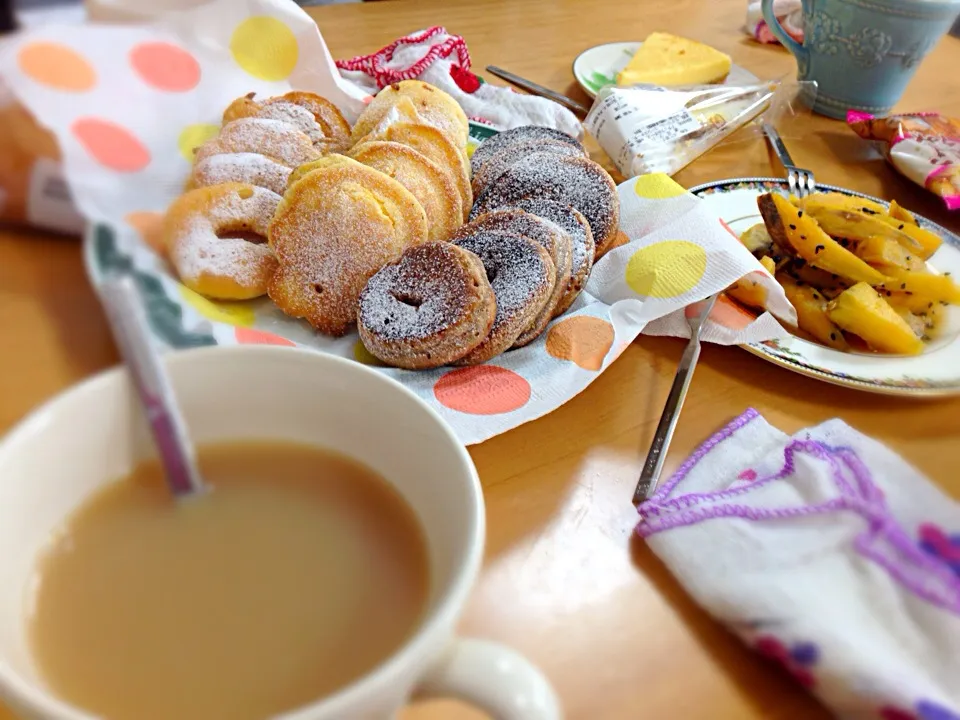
{"points": [[426, 180], [335, 227], [435, 145], [432, 105]]}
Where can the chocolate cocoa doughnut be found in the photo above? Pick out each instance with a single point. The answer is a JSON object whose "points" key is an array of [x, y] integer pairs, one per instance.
{"points": [[578, 228], [574, 181], [554, 239], [524, 134], [498, 163], [522, 276], [430, 308]]}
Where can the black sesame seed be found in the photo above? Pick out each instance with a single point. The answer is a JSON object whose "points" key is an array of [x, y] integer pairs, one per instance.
{"points": [[908, 258], [903, 286], [800, 214], [900, 228], [909, 293], [816, 297], [817, 249], [793, 227], [833, 336], [803, 237]]}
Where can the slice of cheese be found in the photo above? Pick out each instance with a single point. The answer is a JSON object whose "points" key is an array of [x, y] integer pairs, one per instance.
{"points": [[666, 59]]}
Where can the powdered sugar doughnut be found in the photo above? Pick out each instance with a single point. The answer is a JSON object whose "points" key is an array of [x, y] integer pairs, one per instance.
{"points": [[576, 225], [519, 135], [433, 188], [335, 227], [430, 308], [336, 129], [276, 139], [498, 164], [329, 130], [434, 144], [301, 118], [431, 104], [522, 277], [574, 181], [250, 168], [545, 233], [197, 231]]}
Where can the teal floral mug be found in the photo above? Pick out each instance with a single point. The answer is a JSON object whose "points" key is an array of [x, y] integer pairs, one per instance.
{"points": [[862, 53]]}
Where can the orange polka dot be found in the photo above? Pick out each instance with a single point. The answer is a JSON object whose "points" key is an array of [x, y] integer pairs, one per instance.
{"points": [[249, 336], [482, 390], [729, 229], [583, 340], [165, 66], [56, 66], [730, 315], [150, 226], [110, 145], [620, 239]]}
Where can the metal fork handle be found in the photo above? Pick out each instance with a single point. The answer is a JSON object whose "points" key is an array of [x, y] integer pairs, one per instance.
{"points": [[657, 455], [778, 147], [533, 88]]}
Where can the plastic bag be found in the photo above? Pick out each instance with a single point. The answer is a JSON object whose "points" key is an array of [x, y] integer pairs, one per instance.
{"points": [[647, 129], [32, 187], [923, 146]]}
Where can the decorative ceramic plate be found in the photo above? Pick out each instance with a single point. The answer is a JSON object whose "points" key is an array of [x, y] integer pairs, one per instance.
{"points": [[598, 66], [933, 373]]}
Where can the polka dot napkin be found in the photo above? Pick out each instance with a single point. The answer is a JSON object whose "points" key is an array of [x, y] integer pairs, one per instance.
{"points": [[128, 104]]}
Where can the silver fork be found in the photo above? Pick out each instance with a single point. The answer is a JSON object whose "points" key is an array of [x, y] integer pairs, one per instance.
{"points": [[801, 181], [653, 466]]}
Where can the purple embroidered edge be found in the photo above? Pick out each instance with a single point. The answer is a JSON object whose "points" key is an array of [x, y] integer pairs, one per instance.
{"points": [[691, 462], [927, 577]]}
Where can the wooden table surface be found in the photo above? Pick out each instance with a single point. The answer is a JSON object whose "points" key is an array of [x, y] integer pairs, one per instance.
{"points": [[565, 580]]}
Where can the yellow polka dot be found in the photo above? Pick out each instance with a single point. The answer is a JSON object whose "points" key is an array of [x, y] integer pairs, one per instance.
{"points": [[364, 356], [666, 269], [193, 136], [231, 313], [265, 47], [657, 187]]}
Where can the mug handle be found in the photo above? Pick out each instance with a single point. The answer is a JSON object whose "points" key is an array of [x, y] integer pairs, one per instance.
{"points": [[766, 7], [494, 678]]}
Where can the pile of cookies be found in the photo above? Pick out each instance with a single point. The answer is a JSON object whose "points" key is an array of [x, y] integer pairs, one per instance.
{"points": [[365, 225]]}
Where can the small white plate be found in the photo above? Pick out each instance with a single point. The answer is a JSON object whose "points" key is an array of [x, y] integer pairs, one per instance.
{"points": [[598, 66], [936, 372]]}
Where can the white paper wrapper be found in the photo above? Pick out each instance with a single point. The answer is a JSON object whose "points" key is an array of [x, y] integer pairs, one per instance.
{"points": [[125, 127]]}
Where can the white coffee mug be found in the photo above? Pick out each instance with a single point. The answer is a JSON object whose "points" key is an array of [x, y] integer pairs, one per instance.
{"points": [[94, 434]]}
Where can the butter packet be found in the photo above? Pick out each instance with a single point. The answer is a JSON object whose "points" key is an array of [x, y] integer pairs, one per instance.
{"points": [[652, 129]]}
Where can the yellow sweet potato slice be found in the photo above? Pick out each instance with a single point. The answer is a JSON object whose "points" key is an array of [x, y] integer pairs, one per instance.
{"points": [[811, 243], [811, 307], [859, 226], [839, 201], [756, 239], [901, 213], [749, 291], [861, 311], [883, 253], [804, 273], [930, 312], [929, 242], [935, 287]]}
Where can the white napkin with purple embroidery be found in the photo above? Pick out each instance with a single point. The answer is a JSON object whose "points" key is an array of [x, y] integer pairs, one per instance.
{"points": [[829, 554]]}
